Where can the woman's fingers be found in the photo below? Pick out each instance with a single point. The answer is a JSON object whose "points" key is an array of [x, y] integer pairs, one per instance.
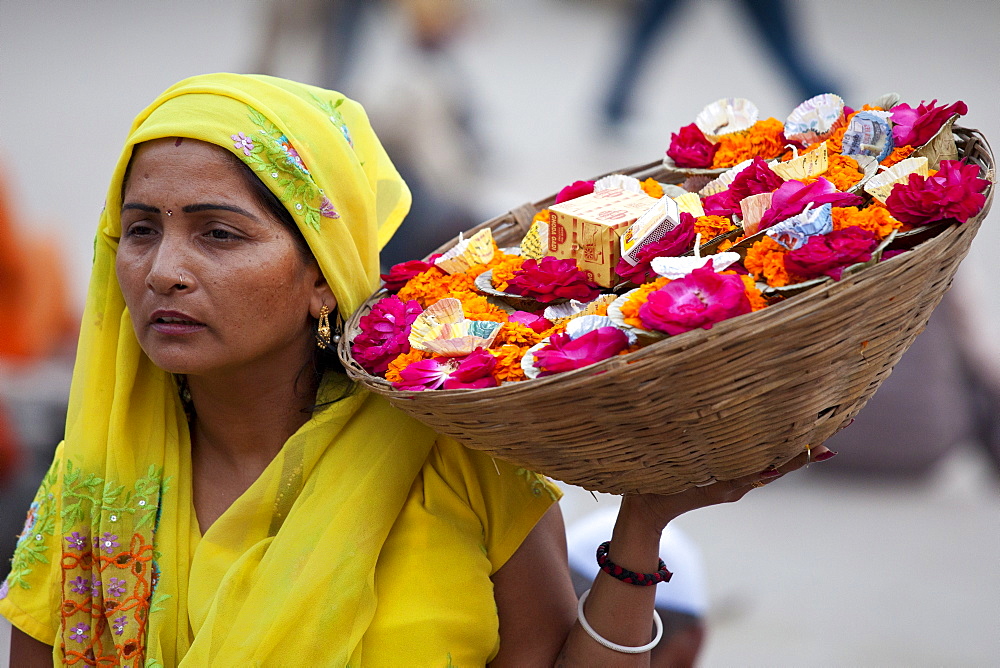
{"points": [[819, 453]]}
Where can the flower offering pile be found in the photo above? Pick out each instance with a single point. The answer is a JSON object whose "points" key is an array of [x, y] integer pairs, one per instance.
{"points": [[760, 211]]}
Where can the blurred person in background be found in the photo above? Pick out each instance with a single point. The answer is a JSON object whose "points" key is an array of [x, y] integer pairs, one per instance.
{"points": [[937, 398], [422, 107], [36, 325], [774, 24]]}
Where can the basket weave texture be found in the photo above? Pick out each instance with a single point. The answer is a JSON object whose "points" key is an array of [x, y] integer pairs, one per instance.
{"points": [[706, 405]]}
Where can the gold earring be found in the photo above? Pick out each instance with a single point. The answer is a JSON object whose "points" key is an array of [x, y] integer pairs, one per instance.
{"points": [[323, 327]]}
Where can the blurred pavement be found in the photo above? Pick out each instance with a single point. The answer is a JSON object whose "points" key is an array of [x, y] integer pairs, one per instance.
{"points": [[819, 570]]}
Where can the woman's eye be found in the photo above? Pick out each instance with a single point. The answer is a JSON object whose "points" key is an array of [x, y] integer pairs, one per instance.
{"points": [[139, 230], [222, 235]]}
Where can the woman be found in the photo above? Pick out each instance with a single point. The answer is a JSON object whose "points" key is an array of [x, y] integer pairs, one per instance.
{"points": [[218, 498]]}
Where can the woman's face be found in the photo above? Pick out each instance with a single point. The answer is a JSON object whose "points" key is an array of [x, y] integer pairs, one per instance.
{"points": [[213, 283]]}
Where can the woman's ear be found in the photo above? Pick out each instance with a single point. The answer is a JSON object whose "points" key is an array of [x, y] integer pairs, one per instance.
{"points": [[321, 296]]}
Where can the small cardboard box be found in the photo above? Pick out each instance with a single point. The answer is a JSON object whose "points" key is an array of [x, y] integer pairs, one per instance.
{"points": [[588, 229]]}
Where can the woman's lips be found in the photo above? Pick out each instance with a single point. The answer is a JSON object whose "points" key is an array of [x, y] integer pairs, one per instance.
{"points": [[174, 322]]}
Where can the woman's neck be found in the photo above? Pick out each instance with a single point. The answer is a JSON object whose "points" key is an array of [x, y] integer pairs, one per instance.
{"points": [[241, 422]]}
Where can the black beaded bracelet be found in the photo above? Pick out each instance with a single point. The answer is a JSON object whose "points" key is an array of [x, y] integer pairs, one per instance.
{"points": [[627, 576]]}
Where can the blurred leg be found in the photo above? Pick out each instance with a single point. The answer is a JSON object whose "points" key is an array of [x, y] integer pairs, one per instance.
{"points": [[647, 20], [774, 23]]}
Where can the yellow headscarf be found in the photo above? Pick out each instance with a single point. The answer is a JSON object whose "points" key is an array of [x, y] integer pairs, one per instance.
{"points": [[114, 518]]}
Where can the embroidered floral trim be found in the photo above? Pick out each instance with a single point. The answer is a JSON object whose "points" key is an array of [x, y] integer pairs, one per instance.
{"points": [[332, 110], [273, 157], [109, 580], [33, 542]]}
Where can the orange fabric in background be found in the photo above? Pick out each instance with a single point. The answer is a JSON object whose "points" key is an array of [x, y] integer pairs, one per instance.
{"points": [[35, 319]]}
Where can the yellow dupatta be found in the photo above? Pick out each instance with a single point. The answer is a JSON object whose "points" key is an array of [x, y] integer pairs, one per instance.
{"points": [[293, 559]]}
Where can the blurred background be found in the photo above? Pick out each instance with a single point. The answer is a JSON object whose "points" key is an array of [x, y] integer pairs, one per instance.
{"points": [[886, 555]]}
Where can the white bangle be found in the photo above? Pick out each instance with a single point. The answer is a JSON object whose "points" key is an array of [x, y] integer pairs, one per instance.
{"points": [[610, 645]]}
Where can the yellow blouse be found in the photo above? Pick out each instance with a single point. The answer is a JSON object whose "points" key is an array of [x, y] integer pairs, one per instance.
{"points": [[464, 516]]}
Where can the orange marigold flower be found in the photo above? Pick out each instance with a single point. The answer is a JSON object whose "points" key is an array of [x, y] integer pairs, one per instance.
{"points": [[630, 309], [517, 334], [504, 270], [601, 309], [541, 217], [710, 227], [402, 361], [766, 261], [875, 219], [477, 307], [764, 138], [652, 188], [843, 172], [508, 368], [757, 301], [898, 154]]}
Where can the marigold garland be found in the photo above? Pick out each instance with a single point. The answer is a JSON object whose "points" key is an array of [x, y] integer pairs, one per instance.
{"points": [[508, 368], [434, 284], [710, 227], [652, 187], [757, 301], [898, 154], [402, 361], [875, 219], [505, 269], [630, 309], [765, 139], [765, 260], [843, 172], [517, 334]]}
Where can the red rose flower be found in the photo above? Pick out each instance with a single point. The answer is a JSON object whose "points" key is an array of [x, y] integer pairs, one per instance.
{"points": [[549, 278], [955, 192], [915, 127], [829, 254], [674, 243], [565, 354], [400, 273], [385, 333], [700, 299], [690, 148], [574, 190]]}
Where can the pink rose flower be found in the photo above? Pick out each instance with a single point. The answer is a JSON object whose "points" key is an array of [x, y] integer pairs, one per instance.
{"points": [[533, 321], [955, 192], [674, 243], [792, 198], [385, 333], [400, 273], [915, 127], [700, 299], [549, 279], [690, 148], [473, 371], [829, 254], [574, 190], [565, 354]]}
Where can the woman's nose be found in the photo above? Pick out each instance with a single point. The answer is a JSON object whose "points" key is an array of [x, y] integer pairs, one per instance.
{"points": [[168, 272]]}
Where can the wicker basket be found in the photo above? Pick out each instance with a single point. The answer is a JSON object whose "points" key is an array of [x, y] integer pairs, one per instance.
{"points": [[705, 405]]}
